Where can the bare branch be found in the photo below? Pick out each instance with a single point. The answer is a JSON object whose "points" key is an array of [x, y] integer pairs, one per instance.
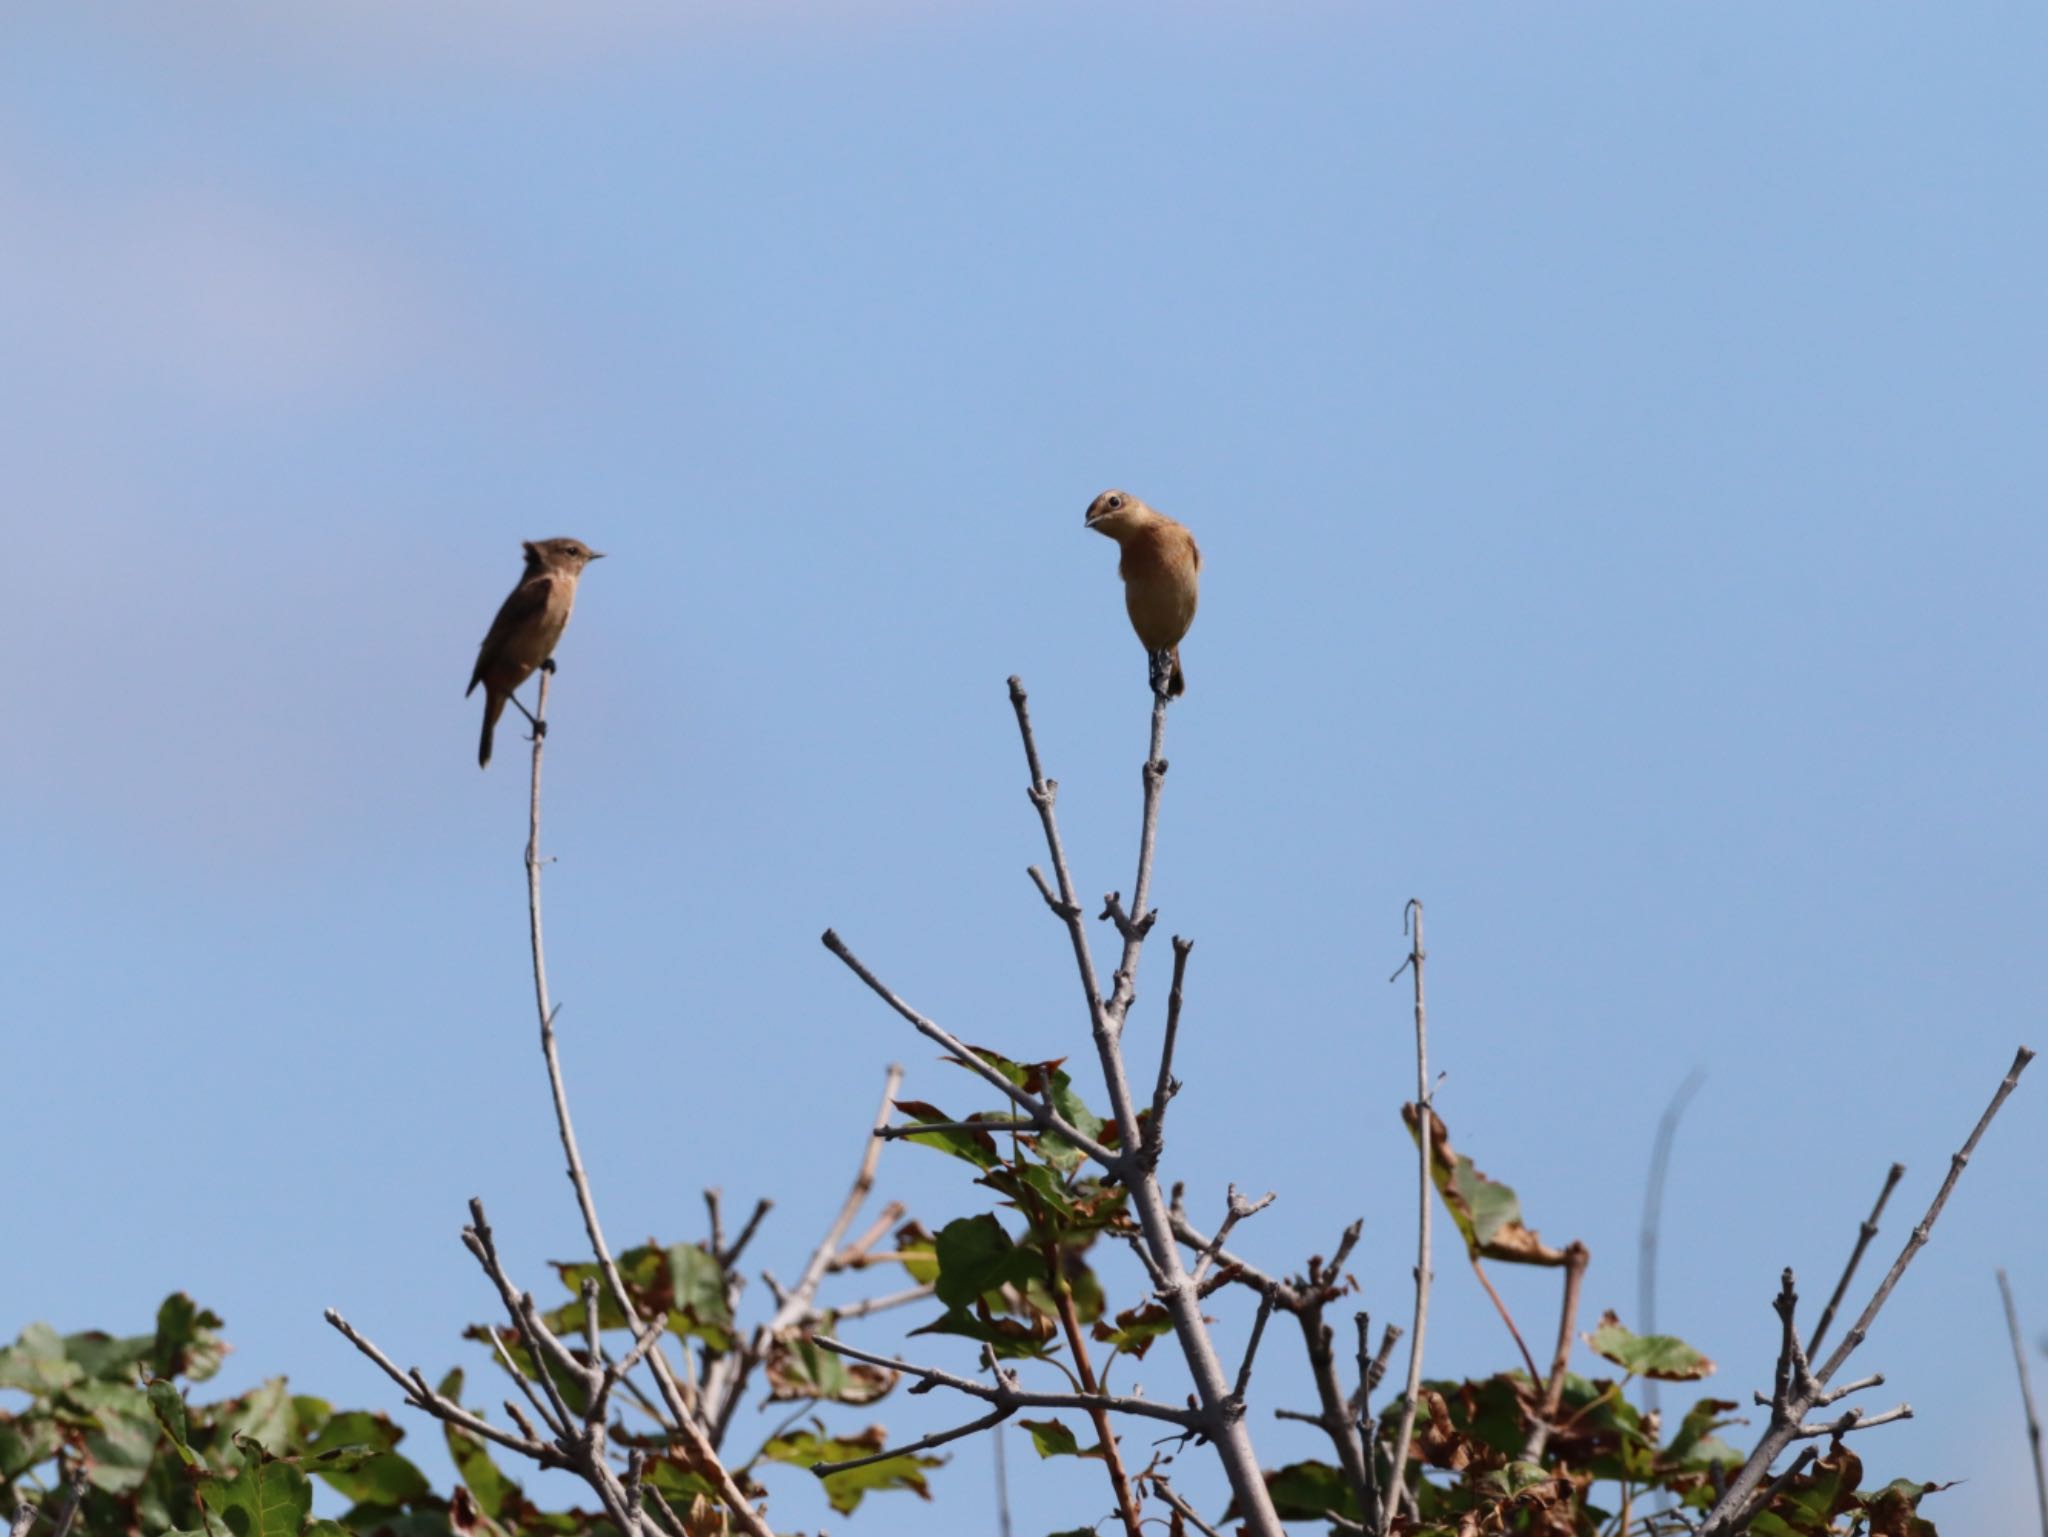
{"points": [[1576, 1258], [420, 1396], [731, 1257], [1237, 1209], [987, 1422], [925, 1128], [1251, 1348], [1425, 1116], [1763, 1501], [1171, 1496], [2019, 1357], [1006, 1392], [1957, 1163], [1836, 1395], [684, 1423], [1855, 1419], [1864, 1234], [868, 1305], [1221, 1416], [556, 1425], [1041, 1113], [1731, 1512], [1167, 1085]]}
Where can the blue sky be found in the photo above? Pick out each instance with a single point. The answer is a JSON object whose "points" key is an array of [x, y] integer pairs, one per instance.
{"points": [[1612, 434]]}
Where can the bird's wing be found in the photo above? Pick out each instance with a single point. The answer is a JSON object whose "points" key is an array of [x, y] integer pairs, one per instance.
{"points": [[523, 603]]}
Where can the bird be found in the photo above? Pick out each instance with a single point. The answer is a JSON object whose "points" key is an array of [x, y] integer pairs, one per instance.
{"points": [[1160, 567], [528, 627]]}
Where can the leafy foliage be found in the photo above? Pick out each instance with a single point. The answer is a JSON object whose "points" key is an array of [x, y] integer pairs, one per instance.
{"points": [[120, 1408]]}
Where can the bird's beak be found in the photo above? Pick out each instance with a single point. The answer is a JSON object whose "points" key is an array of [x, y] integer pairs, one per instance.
{"points": [[597, 554]]}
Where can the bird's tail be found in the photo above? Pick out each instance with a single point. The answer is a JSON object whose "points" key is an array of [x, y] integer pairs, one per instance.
{"points": [[494, 706], [1178, 685]]}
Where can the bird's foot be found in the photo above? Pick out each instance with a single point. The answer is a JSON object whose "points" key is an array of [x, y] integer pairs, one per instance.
{"points": [[1161, 671], [548, 665]]}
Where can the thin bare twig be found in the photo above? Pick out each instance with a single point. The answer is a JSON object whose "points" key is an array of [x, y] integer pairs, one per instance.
{"points": [[926, 1128], [1172, 1497], [1006, 1392], [1732, 1511], [1251, 1348], [870, 1305], [1167, 1085], [1500, 1306], [1855, 1419], [1424, 1115], [2019, 1359], [1576, 1258], [446, 1409], [1864, 1234], [731, 1257], [1042, 1114], [1236, 1209], [1763, 1501], [685, 1423], [986, 1422]]}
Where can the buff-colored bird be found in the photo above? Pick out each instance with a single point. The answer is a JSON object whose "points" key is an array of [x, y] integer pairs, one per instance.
{"points": [[1160, 568], [529, 623]]}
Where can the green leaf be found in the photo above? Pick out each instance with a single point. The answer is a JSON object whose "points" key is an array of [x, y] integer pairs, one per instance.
{"points": [[1488, 1214], [1694, 1446], [977, 1256], [1010, 1338], [263, 1414], [699, 1306], [1661, 1356], [846, 1490], [36, 1363], [267, 1498], [107, 1358], [122, 1437], [24, 1442], [678, 1483], [976, 1147], [800, 1368], [1053, 1439], [187, 1342], [917, 1252], [1307, 1491], [1136, 1328], [169, 1408], [1046, 1078], [643, 1271], [354, 1455]]}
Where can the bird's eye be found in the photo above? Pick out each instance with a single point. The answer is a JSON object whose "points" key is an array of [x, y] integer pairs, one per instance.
{"points": [[1115, 502]]}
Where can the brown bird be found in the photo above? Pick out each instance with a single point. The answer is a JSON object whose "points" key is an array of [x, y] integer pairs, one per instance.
{"points": [[1159, 567], [528, 626]]}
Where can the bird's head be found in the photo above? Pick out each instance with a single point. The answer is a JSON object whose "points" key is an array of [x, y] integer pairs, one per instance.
{"points": [[1114, 512], [570, 555]]}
